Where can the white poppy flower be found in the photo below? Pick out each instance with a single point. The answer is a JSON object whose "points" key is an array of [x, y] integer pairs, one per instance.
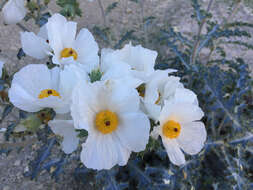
{"points": [[110, 113], [14, 11], [35, 87], [63, 126], [158, 88], [1, 68], [180, 127], [116, 69], [36, 45], [140, 60], [69, 48]]}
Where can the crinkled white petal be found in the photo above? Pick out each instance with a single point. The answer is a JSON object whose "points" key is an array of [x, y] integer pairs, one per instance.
{"points": [[43, 32], [192, 137], [22, 99], [1, 68], [116, 69], [121, 98], [14, 11], [140, 59], [87, 49], [60, 105], [173, 83], [28, 83], [133, 131], [70, 76], [152, 110], [185, 95], [85, 104], [180, 112], [155, 85], [176, 156], [65, 128], [61, 34], [103, 152], [33, 78], [34, 46]]}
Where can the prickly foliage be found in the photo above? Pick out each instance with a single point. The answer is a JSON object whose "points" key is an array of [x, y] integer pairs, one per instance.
{"points": [[224, 89]]}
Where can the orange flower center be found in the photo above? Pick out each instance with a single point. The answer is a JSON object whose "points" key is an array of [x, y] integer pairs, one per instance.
{"points": [[106, 121], [48, 92], [171, 129], [68, 52]]}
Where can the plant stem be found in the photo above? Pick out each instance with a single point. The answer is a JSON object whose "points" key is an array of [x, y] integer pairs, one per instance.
{"points": [[102, 11], [22, 27], [38, 11], [223, 24], [196, 44]]}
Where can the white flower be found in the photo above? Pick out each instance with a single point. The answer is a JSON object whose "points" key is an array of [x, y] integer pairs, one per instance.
{"points": [[68, 48], [140, 60], [110, 113], [158, 88], [180, 127], [14, 11], [63, 126], [112, 68], [36, 87], [36, 45], [1, 68]]}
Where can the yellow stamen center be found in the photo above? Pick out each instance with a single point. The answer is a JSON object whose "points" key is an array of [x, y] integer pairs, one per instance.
{"points": [[68, 52], [106, 121], [171, 129], [48, 92]]}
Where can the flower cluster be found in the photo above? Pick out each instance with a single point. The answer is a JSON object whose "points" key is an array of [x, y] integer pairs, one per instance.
{"points": [[113, 97]]}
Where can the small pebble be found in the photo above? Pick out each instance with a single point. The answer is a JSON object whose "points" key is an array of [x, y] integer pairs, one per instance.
{"points": [[17, 163]]}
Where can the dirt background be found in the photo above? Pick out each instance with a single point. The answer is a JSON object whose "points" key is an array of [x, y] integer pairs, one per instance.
{"points": [[128, 15]]}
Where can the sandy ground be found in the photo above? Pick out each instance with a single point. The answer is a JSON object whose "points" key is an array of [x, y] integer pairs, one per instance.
{"points": [[128, 15]]}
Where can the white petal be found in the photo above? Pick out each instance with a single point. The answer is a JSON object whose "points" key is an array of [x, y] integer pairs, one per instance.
{"points": [[65, 128], [1, 68], [140, 59], [14, 11], [176, 156], [180, 112], [69, 34], [103, 152], [152, 110], [55, 29], [43, 32], [123, 152], [34, 46], [121, 98], [186, 95], [156, 132], [85, 104], [21, 99], [116, 69], [192, 137], [87, 49], [133, 131], [70, 77], [172, 84], [155, 85], [27, 84]]}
